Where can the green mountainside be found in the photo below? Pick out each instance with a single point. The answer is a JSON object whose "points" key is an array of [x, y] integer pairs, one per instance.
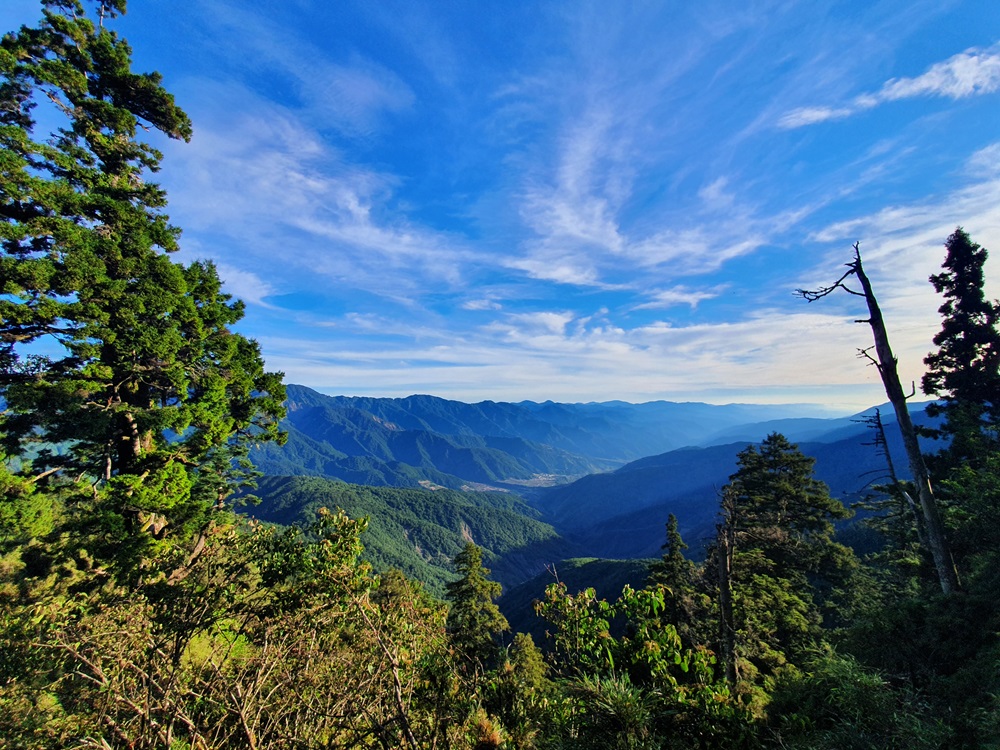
{"points": [[420, 531], [423, 443], [327, 437]]}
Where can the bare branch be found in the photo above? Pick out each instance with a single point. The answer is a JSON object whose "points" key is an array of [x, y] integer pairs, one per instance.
{"points": [[811, 295]]}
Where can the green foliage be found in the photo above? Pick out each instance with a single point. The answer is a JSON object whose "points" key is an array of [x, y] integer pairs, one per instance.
{"points": [[836, 704], [642, 688], [779, 521], [607, 577], [965, 370], [942, 651], [581, 638], [25, 513], [780, 507], [143, 380], [415, 530], [273, 639], [685, 606], [474, 620], [672, 570], [521, 694]]}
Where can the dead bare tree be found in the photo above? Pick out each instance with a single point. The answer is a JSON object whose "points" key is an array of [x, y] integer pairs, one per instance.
{"points": [[885, 363], [725, 549]]}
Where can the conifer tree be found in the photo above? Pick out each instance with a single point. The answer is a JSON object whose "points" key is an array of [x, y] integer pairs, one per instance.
{"points": [[782, 508], [677, 574], [777, 533], [672, 569], [109, 350], [965, 370], [474, 620]]}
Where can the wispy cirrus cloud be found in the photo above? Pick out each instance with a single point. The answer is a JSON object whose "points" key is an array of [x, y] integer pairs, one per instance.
{"points": [[245, 285], [350, 94], [481, 304], [531, 356], [580, 215], [286, 199], [974, 72], [416, 200], [679, 295], [903, 245]]}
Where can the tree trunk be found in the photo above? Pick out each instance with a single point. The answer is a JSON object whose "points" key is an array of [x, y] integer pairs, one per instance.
{"points": [[725, 543], [886, 364]]}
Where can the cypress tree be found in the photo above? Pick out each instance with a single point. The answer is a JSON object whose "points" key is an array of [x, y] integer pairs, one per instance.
{"points": [[965, 370], [474, 620], [118, 366]]}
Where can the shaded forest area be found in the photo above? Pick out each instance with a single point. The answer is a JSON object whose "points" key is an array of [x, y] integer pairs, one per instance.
{"points": [[138, 610]]}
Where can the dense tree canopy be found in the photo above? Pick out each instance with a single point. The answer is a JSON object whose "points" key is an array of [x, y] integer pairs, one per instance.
{"points": [[474, 620], [777, 533]]}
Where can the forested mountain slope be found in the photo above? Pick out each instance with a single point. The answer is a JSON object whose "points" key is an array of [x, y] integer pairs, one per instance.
{"points": [[380, 442], [428, 442], [420, 531], [621, 513]]}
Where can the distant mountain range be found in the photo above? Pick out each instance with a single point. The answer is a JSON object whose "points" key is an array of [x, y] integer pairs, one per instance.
{"points": [[581, 480], [622, 513], [424, 440]]}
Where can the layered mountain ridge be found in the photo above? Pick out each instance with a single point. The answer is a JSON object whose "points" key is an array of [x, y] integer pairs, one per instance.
{"points": [[580, 480]]}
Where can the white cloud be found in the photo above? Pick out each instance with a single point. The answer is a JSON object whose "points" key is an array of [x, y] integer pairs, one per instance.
{"points": [[481, 304], [245, 285], [283, 200], [538, 322], [810, 351], [715, 196], [902, 245], [970, 73], [680, 295], [803, 116], [562, 269], [349, 95], [985, 162]]}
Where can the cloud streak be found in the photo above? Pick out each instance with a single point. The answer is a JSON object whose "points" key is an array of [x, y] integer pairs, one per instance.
{"points": [[973, 72]]}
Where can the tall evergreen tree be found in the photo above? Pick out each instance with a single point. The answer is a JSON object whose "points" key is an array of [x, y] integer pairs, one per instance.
{"points": [[965, 370], [474, 620], [109, 349], [677, 574], [777, 536], [672, 569], [779, 505]]}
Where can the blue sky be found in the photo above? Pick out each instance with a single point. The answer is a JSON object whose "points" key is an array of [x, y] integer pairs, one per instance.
{"points": [[577, 201]]}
